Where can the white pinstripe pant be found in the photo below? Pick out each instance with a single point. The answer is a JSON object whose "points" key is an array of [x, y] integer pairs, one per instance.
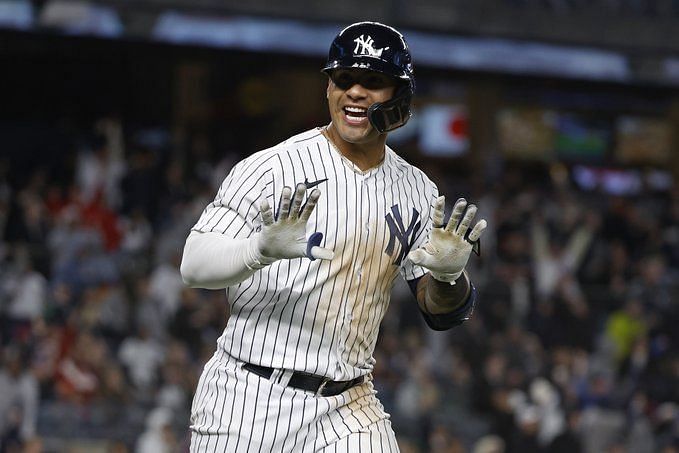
{"points": [[237, 411]]}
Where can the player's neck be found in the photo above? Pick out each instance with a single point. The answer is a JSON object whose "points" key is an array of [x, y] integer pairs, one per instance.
{"points": [[364, 155]]}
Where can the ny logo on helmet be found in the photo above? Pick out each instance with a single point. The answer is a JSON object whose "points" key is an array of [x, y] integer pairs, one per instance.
{"points": [[365, 47]]}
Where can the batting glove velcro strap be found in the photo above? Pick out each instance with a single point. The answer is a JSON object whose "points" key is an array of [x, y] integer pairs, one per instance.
{"points": [[447, 252], [284, 237]]}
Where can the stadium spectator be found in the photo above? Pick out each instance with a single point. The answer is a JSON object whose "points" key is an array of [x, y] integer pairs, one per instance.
{"points": [[19, 400]]}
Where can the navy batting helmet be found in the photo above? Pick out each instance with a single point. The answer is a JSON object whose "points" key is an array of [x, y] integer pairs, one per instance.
{"points": [[377, 47]]}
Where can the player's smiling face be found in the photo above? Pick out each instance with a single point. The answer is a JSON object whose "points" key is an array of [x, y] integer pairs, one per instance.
{"points": [[350, 93]]}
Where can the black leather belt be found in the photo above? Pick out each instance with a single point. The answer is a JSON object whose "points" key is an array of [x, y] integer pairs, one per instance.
{"points": [[310, 382]]}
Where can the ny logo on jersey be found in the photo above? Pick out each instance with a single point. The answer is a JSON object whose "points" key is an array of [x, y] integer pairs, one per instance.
{"points": [[406, 236], [365, 47]]}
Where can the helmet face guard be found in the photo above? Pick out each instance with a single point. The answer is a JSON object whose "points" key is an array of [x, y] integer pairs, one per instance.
{"points": [[377, 47], [392, 114]]}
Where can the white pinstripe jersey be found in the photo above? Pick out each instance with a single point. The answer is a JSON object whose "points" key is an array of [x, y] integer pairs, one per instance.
{"points": [[319, 316]]}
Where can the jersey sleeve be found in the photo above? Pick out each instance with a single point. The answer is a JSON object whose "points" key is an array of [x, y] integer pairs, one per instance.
{"points": [[235, 209], [408, 270]]}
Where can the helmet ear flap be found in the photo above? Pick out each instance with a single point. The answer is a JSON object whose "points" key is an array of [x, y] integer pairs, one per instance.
{"points": [[394, 113]]}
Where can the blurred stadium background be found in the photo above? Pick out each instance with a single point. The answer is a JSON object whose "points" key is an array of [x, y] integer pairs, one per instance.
{"points": [[119, 118]]}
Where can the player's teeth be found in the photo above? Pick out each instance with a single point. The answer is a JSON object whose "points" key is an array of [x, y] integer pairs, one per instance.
{"points": [[355, 111]]}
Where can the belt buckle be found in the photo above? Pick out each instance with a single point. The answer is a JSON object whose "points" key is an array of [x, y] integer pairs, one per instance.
{"points": [[319, 392]]}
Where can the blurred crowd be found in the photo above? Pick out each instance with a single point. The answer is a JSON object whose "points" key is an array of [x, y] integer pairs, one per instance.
{"points": [[572, 346]]}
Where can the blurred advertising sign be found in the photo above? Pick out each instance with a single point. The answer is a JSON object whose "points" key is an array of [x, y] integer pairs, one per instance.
{"points": [[443, 130], [534, 133], [580, 138], [643, 140], [526, 132]]}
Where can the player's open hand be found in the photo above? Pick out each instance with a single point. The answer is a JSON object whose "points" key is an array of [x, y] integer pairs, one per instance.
{"points": [[447, 252], [285, 236]]}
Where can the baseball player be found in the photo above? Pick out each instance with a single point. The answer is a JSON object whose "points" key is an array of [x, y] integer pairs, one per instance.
{"points": [[308, 237]]}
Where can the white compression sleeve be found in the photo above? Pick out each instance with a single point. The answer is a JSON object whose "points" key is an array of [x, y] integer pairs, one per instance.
{"points": [[214, 261]]}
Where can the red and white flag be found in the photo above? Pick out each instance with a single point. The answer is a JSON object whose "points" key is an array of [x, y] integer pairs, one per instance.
{"points": [[444, 130]]}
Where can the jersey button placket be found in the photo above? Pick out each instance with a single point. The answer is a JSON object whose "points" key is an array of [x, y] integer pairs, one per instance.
{"points": [[365, 186]]}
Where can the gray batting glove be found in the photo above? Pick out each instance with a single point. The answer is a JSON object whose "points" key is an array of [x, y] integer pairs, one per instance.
{"points": [[447, 252], [285, 237]]}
